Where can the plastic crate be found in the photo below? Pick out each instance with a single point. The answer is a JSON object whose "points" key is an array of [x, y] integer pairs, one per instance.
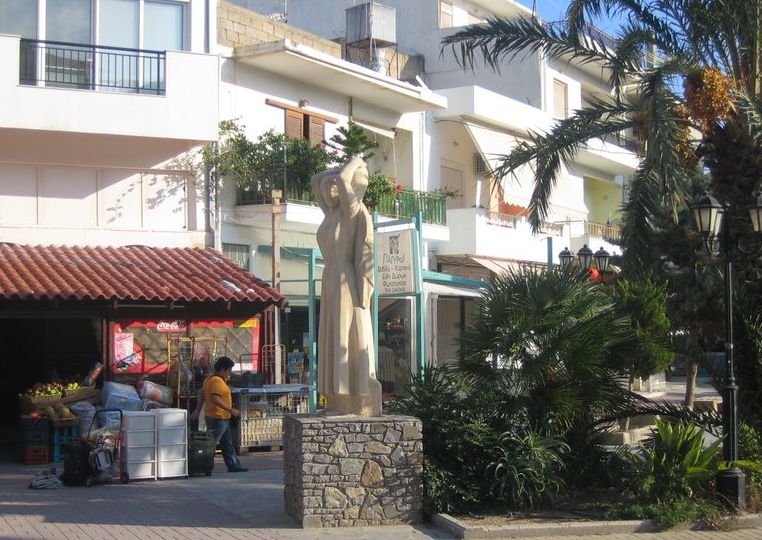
{"points": [[36, 440], [36, 456], [34, 425], [60, 439]]}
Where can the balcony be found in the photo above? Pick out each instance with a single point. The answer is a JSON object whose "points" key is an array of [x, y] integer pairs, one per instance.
{"points": [[91, 67], [479, 232], [82, 88], [402, 206], [595, 235]]}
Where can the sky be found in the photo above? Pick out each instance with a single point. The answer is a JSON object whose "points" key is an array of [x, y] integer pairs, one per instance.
{"points": [[553, 10]]}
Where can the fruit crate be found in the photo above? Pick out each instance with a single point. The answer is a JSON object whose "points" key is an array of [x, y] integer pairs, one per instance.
{"points": [[29, 404], [36, 456], [83, 393]]}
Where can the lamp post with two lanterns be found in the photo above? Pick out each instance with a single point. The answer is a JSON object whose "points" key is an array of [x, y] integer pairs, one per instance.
{"points": [[713, 221]]}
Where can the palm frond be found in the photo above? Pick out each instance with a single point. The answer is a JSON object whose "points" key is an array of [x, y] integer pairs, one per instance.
{"points": [[548, 152], [503, 39]]}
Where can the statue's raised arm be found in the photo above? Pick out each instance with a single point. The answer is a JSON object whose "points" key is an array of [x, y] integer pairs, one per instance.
{"points": [[348, 198]]}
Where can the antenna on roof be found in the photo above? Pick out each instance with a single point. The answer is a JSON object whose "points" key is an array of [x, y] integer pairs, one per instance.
{"points": [[534, 8]]}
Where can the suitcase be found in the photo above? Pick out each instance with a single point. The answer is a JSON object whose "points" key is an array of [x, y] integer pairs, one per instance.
{"points": [[201, 453], [76, 463]]}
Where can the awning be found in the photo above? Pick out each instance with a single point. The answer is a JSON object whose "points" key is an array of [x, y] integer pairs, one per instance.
{"points": [[388, 133], [502, 266], [297, 61], [450, 290], [129, 273]]}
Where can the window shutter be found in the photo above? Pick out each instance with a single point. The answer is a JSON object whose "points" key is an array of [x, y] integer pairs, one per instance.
{"points": [[316, 133], [294, 128]]}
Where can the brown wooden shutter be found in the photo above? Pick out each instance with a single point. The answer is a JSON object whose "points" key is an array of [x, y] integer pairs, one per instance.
{"points": [[294, 126], [316, 133]]}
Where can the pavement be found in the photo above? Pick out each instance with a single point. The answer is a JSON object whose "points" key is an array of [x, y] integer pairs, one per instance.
{"points": [[223, 506]]}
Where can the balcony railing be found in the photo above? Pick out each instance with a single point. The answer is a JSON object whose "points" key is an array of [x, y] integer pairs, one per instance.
{"points": [[404, 205], [294, 195], [601, 230], [91, 67]]}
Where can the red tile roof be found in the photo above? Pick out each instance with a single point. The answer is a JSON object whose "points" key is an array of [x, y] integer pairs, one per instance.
{"points": [[127, 273]]}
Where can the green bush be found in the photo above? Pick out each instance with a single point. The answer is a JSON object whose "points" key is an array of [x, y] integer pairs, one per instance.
{"points": [[673, 512], [674, 463], [528, 469]]}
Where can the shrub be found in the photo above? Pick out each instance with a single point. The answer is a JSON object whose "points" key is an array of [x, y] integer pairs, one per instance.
{"points": [[674, 463], [672, 512], [528, 469]]}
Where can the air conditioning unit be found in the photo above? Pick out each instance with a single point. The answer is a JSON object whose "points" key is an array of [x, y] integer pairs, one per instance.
{"points": [[480, 166]]}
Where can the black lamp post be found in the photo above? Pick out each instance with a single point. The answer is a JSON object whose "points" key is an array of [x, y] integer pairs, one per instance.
{"points": [[713, 222], [586, 258]]}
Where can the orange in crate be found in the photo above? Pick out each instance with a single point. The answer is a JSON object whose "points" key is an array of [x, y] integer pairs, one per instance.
{"points": [[36, 456]]}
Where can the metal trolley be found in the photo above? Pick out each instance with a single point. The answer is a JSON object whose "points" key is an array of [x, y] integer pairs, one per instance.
{"points": [[262, 411]]}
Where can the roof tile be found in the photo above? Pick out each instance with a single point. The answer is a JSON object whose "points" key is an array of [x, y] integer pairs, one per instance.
{"points": [[127, 273]]}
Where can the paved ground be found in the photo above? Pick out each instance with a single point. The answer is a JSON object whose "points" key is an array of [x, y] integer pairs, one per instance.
{"points": [[223, 506]]}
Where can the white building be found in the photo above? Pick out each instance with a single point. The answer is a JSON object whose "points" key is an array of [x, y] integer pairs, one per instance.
{"points": [[487, 114], [96, 143]]}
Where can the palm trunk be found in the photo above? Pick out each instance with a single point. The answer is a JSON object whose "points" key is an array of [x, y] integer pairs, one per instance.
{"points": [[690, 383], [626, 423]]}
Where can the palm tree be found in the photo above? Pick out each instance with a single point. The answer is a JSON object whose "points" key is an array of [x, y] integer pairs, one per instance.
{"points": [[685, 76]]}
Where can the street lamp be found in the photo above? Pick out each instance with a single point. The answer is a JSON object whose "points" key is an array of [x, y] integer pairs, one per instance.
{"points": [[586, 258], [713, 222]]}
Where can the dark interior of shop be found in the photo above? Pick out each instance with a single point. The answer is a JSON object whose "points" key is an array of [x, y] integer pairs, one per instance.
{"points": [[37, 350]]}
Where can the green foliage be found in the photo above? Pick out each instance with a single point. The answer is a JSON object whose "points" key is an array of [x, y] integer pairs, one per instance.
{"points": [[749, 356], [378, 186], [264, 164], [552, 337], [675, 463], [673, 512], [528, 470], [646, 304], [351, 141]]}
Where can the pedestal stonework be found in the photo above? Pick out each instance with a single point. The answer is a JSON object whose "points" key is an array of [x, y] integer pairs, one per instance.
{"points": [[351, 471]]}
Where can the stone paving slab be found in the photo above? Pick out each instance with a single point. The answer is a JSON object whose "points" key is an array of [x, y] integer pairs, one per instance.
{"points": [[224, 506]]}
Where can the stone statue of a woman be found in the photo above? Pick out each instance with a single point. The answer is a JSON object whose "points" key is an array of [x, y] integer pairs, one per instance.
{"points": [[346, 359]]}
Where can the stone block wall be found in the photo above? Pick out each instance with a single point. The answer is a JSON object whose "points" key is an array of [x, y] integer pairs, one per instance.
{"points": [[353, 471], [238, 26]]}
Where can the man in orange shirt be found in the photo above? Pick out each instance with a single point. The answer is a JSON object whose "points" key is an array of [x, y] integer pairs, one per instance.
{"points": [[219, 409]]}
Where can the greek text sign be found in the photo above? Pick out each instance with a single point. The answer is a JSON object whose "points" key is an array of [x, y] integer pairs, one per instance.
{"points": [[394, 260]]}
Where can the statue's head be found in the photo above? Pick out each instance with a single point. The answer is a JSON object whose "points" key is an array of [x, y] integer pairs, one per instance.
{"points": [[330, 192], [360, 181]]}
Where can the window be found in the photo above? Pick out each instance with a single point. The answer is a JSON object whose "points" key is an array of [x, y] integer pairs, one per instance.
{"points": [[238, 253], [475, 18], [19, 18], [300, 123], [163, 27], [560, 99], [445, 14]]}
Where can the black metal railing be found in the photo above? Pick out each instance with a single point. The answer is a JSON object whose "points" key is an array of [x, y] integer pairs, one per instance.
{"points": [[91, 67]]}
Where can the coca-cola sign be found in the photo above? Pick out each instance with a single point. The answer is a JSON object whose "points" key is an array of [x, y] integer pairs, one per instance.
{"points": [[171, 326]]}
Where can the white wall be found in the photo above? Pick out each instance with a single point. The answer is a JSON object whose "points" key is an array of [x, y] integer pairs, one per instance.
{"points": [[191, 85], [418, 32]]}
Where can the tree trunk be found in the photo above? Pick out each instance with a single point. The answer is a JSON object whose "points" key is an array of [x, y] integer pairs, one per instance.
{"points": [[690, 383], [626, 423]]}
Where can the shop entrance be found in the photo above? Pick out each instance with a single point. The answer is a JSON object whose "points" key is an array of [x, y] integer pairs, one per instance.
{"points": [[35, 350]]}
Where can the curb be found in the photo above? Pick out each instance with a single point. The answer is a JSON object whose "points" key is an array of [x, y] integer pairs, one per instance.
{"points": [[459, 529]]}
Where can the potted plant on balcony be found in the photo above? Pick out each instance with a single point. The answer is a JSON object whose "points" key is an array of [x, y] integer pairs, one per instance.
{"points": [[273, 161]]}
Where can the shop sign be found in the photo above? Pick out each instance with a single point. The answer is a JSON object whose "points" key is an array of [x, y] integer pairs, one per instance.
{"points": [[123, 344], [394, 262], [171, 326]]}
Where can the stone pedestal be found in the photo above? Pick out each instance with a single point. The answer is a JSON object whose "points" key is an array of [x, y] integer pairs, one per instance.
{"points": [[351, 471]]}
